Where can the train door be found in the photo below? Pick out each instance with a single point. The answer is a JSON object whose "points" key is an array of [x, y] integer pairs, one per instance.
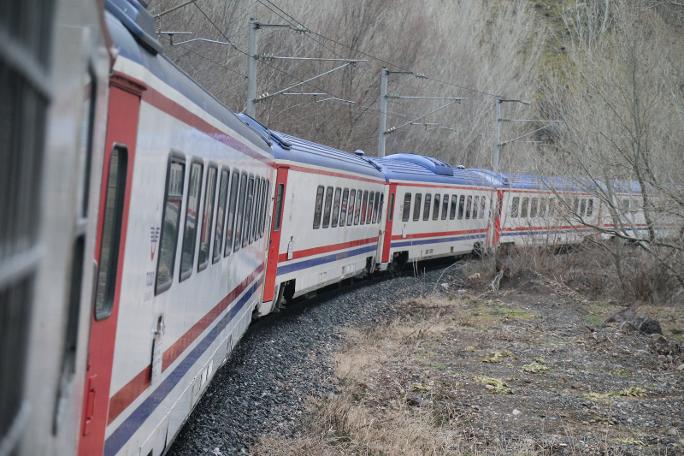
{"points": [[274, 237], [117, 173], [386, 240], [494, 230]]}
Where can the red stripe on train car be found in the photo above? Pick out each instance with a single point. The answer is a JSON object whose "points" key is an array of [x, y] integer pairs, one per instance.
{"points": [[138, 384], [438, 234], [326, 249]]}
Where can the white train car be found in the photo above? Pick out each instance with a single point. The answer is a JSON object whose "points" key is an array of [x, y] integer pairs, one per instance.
{"points": [[434, 210], [326, 217], [181, 245], [625, 214], [53, 71], [538, 210]]}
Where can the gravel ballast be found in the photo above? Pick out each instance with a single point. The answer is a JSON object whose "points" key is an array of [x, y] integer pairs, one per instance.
{"points": [[282, 361]]}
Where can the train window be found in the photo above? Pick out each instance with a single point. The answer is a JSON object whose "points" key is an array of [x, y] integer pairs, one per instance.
{"points": [[590, 207], [552, 206], [534, 205], [357, 213], [371, 206], [256, 210], [483, 206], [445, 206], [220, 216], [454, 205], [461, 207], [542, 207], [350, 210], [207, 218], [426, 206], [247, 220], [476, 204], [417, 207], [575, 206], [436, 206], [190, 229], [279, 207], [328, 206], [523, 207], [230, 219], [378, 214], [625, 205], [318, 207], [111, 232], [265, 193], [469, 206], [364, 207], [390, 208], [406, 208], [583, 207], [336, 208], [343, 206], [515, 202], [260, 209], [240, 213], [168, 238]]}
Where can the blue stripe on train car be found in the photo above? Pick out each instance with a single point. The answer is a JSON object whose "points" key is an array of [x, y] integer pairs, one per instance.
{"points": [[286, 268], [438, 240]]}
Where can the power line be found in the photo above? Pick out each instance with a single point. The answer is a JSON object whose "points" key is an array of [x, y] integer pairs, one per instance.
{"points": [[366, 54]]}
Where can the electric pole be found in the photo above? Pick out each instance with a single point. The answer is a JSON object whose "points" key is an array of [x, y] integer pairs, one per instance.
{"points": [[382, 126], [496, 152], [250, 107]]}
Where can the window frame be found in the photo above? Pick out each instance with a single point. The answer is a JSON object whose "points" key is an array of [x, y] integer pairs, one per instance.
{"points": [[327, 206], [351, 207], [453, 208], [318, 207], [202, 264], [344, 205], [417, 207], [406, 207], [240, 212], [217, 253], [335, 216], [231, 208], [182, 275], [427, 205], [436, 206]]}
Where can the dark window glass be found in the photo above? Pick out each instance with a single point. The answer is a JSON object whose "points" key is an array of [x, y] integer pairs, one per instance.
{"points": [[249, 212], [590, 207], [542, 207], [417, 206], [364, 207], [232, 204], [515, 202], [111, 232], [523, 207], [257, 210], [328, 206], [426, 206], [469, 206], [220, 216], [483, 206], [552, 206], [379, 198], [575, 205], [240, 213], [625, 205], [534, 206], [352, 206], [168, 238], [435, 206], [318, 207], [357, 214], [190, 229], [476, 204], [207, 219], [390, 209], [445, 206], [266, 205], [343, 206], [583, 207], [336, 207], [369, 209], [406, 209], [454, 206], [279, 207]]}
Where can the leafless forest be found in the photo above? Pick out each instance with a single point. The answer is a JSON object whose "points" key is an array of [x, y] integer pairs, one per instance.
{"points": [[604, 80]]}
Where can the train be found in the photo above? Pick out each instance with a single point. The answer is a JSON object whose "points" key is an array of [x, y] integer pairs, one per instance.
{"points": [[145, 225]]}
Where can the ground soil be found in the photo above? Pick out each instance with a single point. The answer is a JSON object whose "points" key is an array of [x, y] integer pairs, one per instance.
{"points": [[529, 369]]}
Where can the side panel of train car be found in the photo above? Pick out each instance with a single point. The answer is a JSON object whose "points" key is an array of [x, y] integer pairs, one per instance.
{"points": [[54, 65], [436, 211], [326, 219], [181, 249]]}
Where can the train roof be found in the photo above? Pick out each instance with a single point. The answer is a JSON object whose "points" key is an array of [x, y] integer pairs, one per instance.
{"points": [[129, 27], [535, 181], [421, 168], [288, 147]]}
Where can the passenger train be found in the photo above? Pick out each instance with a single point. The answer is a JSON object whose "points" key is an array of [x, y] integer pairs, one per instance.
{"points": [[144, 225]]}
